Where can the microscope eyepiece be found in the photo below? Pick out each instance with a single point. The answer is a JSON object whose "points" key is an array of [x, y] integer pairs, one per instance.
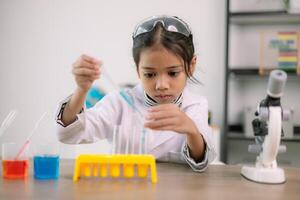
{"points": [[276, 83]]}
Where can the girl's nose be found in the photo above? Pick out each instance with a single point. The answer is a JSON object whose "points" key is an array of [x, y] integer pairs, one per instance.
{"points": [[162, 83]]}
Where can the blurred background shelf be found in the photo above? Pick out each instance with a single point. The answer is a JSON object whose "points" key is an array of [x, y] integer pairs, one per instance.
{"points": [[245, 73], [263, 18]]}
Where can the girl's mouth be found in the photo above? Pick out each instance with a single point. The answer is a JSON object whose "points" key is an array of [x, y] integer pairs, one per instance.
{"points": [[164, 97]]}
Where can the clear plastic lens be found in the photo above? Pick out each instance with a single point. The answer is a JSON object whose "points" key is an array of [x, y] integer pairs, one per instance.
{"points": [[171, 24]]}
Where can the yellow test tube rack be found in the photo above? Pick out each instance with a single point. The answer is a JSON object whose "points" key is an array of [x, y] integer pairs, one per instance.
{"points": [[88, 165]]}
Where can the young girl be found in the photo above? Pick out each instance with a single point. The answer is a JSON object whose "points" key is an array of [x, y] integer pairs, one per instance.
{"points": [[163, 52]]}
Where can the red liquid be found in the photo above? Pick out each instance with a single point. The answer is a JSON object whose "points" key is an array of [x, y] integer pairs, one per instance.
{"points": [[15, 169]]}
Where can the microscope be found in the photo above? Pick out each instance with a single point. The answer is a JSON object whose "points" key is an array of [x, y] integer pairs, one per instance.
{"points": [[267, 127]]}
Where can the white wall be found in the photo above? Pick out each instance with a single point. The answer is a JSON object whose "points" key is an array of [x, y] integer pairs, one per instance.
{"points": [[39, 41]]}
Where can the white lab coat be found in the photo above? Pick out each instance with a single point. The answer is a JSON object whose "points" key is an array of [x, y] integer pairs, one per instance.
{"points": [[97, 123]]}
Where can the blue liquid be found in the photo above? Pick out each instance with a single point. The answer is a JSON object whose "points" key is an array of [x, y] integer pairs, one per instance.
{"points": [[46, 167]]}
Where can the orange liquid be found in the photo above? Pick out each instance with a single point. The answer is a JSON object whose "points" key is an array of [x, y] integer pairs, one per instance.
{"points": [[15, 169]]}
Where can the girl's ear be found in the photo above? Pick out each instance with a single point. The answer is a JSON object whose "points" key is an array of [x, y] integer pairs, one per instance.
{"points": [[193, 65]]}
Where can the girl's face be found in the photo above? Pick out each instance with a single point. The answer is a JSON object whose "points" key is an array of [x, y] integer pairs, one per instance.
{"points": [[162, 73]]}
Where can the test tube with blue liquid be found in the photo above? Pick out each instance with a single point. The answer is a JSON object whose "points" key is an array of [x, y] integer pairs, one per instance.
{"points": [[46, 162]]}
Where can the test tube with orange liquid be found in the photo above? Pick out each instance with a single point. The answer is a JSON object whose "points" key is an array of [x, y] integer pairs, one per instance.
{"points": [[14, 168]]}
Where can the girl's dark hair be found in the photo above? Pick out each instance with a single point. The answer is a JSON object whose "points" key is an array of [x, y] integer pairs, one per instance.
{"points": [[177, 43]]}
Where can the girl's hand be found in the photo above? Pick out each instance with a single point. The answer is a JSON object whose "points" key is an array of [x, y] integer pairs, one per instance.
{"points": [[86, 69], [169, 117]]}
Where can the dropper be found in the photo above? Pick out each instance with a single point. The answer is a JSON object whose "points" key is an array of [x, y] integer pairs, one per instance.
{"points": [[109, 79], [24, 146], [8, 121]]}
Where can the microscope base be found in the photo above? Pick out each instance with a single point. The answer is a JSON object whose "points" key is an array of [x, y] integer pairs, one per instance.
{"points": [[263, 175]]}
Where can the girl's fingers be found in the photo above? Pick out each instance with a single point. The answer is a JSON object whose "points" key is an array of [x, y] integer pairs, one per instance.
{"points": [[86, 78], [165, 128], [160, 115], [84, 64], [96, 77], [85, 72], [89, 59], [158, 124], [162, 112], [163, 107]]}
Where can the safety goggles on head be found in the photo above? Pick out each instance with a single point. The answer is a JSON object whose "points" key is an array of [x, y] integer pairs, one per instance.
{"points": [[170, 23]]}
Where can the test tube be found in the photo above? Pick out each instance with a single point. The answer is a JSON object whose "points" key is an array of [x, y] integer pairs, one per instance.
{"points": [[127, 143], [114, 168], [142, 145], [142, 168], [133, 139], [117, 140], [128, 168], [145, 131], [114, 140]]}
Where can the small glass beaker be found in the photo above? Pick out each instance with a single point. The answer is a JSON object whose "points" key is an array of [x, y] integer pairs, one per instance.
{"points": [[46, 161], [14, 167]]}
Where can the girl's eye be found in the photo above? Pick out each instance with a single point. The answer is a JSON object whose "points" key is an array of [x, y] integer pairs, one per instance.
{"points": [[149, 75], [173, 73]]}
